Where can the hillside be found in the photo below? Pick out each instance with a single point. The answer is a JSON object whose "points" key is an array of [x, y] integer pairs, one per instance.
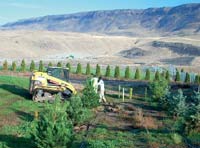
{"points": [[181, 20], [102, 49]]}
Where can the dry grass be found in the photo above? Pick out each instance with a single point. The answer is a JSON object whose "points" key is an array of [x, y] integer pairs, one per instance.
{"points": [[140, 121]]}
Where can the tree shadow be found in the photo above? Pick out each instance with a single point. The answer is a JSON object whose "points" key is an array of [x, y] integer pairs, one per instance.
{"points": [[16, 90], [24, 115], [16, 142]]}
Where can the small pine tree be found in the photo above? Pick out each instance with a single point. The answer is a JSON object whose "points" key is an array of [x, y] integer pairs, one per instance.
{"points": [[167, 76], [157, 76], [32, 66], [89, 98], [178, 77], [187, 78], [117, 72], [107, 71], [127, 72], [137, 74], [196, 79], [50, 64], [14, 66], [77, 113], [88, 72], [179, 104], [68, 65], [98, 70], [159, 88], [79, 69], [148, 75], [41, 66], [23, 66], [54, 128], [59, 64], [5, 65]]}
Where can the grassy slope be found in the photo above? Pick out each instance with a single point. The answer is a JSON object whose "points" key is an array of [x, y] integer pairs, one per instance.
{"points": [[17, 109]]}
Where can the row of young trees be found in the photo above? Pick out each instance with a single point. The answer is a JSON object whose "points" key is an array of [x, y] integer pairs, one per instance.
{"points": [[24, 67], [128, 74]]}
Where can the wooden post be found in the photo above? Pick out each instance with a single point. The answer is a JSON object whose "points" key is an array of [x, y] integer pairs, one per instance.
{"points": [[36, 115], [119, 88], [123, 94], [131, 93]]}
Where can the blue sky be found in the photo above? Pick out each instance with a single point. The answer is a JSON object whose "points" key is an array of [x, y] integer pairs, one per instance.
{"points": [[12, 10]]}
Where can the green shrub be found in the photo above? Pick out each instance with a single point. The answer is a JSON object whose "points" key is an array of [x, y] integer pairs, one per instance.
{"points": [[23, 66], [127, 72], [59, 64], [98, 70], [137, 74], [14, 66], [194, 137], [32, 66], [101, 144], [108, 71], [68, 65], [177, 104], [177, 138], [79, 69], [88, 71], [90, 98], [197, 79], [53, 129], [77, 113], [41, 66], [5, 65], [178, 77], [157, 76], [117, 72], [167, 76], [187, 78], [159, 88], [50, 64], [148, 75]]}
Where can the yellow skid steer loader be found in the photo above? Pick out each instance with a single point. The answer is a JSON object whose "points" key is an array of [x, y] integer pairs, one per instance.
{"points": [[44, 86]]}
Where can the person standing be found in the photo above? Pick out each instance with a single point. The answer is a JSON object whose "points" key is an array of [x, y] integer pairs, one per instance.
{"points": [[102, 89]]}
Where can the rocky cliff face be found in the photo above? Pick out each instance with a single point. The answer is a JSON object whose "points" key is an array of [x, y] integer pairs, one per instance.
{"points": [[181, 20]]}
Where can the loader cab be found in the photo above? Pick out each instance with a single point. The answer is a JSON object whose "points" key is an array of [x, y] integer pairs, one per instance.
{"points": [[59, 72]]}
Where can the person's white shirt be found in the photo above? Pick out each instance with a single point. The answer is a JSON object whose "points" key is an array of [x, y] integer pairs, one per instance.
{"points": [[101, 84]]}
